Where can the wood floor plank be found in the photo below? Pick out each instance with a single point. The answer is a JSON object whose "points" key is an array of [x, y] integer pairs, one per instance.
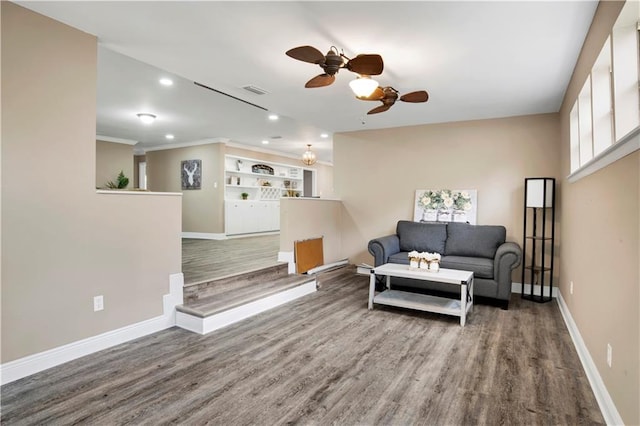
{"points": [[326, 359], [209, 259]]}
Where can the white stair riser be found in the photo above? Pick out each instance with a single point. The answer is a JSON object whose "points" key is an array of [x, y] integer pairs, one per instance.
{"points": [[231, 316]]}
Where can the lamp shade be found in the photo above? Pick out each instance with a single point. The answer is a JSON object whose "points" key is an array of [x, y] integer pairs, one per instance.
{"points": [[363, 86], [539, 192]]}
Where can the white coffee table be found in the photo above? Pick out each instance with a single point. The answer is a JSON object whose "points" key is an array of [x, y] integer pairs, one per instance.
{"points": [[423, 302]]}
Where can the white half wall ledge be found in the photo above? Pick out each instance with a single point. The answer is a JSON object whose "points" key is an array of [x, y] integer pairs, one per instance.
{"points": [[32, 364], [605, 402], [204, 236]]}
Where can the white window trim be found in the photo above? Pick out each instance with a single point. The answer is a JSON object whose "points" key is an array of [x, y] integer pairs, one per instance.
{"points": [[625, 146]]}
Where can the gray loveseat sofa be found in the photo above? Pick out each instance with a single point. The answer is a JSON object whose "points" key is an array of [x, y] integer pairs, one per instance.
{"points": [[478, 248]]}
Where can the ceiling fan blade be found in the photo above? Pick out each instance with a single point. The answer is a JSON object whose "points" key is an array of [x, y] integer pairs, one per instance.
{"points": [[366, 64], [306, 54], [320, 81], [419, 96], [377, 95], [381, 108]]}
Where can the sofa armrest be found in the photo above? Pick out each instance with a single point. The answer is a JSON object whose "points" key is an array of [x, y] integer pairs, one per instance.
{"points": [[508, 257], [383, 247]]}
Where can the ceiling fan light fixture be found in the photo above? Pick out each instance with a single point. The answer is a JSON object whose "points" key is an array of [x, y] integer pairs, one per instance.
{"points": [[363, 86], [309, 157], [146, 118]]}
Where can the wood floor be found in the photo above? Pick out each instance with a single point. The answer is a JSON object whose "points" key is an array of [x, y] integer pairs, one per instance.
{"points": [[326, 359], [208, 259]]}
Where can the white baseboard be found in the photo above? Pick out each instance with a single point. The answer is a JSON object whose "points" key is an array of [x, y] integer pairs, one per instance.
{"points": [[607, 407], [204, 236], [23, 367], [517, 288], [288, 256], [231, 316]]}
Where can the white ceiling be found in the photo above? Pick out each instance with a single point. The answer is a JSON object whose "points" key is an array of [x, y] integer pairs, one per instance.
{"points": [[476, 59]]}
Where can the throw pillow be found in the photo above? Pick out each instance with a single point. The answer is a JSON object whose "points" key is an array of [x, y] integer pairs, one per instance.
{"points": [[429, 237], [474, 240]]}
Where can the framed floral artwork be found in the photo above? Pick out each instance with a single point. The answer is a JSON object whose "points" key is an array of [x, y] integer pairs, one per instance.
{"points": [[446, 205]]}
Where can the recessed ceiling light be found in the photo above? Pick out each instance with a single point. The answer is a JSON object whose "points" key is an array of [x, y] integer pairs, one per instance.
{"points": [[166, 82], [324, 135], [265, 142], [273, 117], [146, 118], [169, 136]]}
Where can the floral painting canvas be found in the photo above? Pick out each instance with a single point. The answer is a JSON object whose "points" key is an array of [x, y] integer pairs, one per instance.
{"points": [[446, 205]]}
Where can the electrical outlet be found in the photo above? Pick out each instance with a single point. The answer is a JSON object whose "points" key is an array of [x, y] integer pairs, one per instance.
{"points": [[98, 303], [609, 354], [571, 287]]}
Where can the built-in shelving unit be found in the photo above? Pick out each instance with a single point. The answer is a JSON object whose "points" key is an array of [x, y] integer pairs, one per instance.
{"points": [[261, 180], [265, 183], [538, 239]]}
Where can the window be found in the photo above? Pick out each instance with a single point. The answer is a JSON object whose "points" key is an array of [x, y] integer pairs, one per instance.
{"points": [[604, 123], [602, 100]]}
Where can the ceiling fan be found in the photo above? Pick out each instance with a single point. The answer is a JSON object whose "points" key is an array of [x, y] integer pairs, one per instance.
{"points": [[369, 64], [388, 96]]}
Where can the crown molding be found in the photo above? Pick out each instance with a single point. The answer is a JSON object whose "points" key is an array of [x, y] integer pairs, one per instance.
{"points": [[185, 144], [115, 140]]}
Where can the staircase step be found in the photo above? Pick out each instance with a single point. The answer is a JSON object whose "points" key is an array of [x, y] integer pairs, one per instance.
{"points": [[217, 303], [222, 285], [242, 294]]}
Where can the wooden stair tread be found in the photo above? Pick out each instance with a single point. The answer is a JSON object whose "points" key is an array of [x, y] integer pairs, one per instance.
{"points": [[241, 294], [223, 285]]}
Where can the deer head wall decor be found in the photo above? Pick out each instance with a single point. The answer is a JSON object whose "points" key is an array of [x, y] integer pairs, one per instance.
{"points": [[191, 174]]}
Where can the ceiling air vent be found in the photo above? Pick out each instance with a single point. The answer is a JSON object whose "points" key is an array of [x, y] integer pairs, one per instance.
{"points": [[255, 89]]}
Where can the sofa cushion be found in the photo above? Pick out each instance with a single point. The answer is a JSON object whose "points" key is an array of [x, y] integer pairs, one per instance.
{"points": [[429, 237], [480, 266], [400, 257], [474, 240]]}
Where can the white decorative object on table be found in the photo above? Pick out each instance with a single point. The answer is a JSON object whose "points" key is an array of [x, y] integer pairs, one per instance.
{"points": [[424, 262], [434, 261], [414, 260]]}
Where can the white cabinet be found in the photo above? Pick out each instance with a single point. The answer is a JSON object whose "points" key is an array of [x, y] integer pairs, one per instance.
{"points": [[245, 217]]}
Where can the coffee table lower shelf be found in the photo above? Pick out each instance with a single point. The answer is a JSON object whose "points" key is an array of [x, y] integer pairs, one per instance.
{"points": [[423, 302], [420, 302]]}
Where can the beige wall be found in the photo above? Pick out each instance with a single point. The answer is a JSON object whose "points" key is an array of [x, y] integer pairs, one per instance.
{"points": [[111, 158], [62, 243], [377, 172], [600, 217], [202, 209], [305, 218]]}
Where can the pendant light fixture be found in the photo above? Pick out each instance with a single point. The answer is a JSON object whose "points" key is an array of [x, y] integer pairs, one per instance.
{"points": [[309, 157]]}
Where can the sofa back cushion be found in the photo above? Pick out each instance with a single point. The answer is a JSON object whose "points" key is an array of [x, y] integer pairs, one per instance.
{"points": [[474, 240], [418, 236]]}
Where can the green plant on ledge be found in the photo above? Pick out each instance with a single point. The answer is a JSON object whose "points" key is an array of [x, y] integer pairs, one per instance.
{"points": [[121, 182], [244, 195]]}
